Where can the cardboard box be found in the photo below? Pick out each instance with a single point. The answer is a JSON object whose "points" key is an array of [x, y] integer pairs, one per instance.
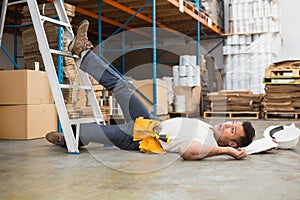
{"points": [[27, 121], [192, 97], [24, 87], [146, 87]]}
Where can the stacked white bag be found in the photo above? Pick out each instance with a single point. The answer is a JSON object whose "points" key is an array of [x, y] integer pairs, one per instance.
{"points": [[187, 73]]}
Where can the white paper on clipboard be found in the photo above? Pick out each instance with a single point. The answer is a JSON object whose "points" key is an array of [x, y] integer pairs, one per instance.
{"points": [[260, 145]]}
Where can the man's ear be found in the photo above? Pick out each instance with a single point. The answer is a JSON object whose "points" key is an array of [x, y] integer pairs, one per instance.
{"points": [[233, 144]]}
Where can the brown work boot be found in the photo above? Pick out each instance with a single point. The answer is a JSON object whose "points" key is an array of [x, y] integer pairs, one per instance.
{"points": [[81, 42], [54, 137]]}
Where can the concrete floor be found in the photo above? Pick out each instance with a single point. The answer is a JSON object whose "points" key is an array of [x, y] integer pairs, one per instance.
{"points": [[38, 170]]}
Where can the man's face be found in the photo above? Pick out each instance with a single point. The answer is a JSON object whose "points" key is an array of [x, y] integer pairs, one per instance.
{"points": [[229, 132]]}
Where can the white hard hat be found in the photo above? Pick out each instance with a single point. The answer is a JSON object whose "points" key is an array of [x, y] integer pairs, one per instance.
{"points": [[286, 136]]}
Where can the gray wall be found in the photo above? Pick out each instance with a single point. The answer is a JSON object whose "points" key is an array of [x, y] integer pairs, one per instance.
{"points": [[290, 29]]}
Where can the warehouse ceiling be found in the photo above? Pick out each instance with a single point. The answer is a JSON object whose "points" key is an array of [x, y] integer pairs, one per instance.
{"points": [[116, 13]]}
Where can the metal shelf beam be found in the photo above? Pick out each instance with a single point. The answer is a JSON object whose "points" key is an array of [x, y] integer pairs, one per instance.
{"points": [[199, 16]]}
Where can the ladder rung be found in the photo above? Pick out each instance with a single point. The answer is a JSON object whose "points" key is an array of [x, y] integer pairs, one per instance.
{"points": [[63, 53], [85, 120], [16, 2], [78, 87], [54, 21]]}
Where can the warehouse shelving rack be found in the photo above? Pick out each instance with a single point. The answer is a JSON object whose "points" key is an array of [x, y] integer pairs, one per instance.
{"points": [[191, 11]]}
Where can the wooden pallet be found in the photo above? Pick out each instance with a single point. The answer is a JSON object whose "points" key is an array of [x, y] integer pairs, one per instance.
{"points": [[163, 117], [281, 116], [231, 115], [184, 114], [119, 119], [281, 80], [279, 72]]}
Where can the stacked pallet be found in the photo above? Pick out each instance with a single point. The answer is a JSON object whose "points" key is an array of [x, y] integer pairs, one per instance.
{"points": [[285, 68], [282, 97], [105, 110], [102, 96], [233, 104], [98, 90], [71, 76], [30, 45]]}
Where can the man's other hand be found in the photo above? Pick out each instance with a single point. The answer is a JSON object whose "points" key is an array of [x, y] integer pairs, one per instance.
{"points": [[237, 153]]}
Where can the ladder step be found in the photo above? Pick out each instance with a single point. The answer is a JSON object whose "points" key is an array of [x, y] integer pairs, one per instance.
{"points": [[78, 87], [16, 2], [85, 120], [63, 53], [54, 21]]}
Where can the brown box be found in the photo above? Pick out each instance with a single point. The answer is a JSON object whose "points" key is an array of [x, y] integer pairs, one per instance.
{"points": [[192, 97], [146, 87], [27, 121], [24, 87]]}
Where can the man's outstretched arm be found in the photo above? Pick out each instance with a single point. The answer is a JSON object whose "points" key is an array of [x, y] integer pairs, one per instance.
{"points": [[197, 151]]}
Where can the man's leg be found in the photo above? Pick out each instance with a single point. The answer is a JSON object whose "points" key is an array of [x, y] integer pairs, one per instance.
{"points": [[131, 105], [118, 135], [121, 135]]}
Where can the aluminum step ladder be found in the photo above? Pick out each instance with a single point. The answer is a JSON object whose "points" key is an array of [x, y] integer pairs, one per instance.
{"points": [[72, 139]]}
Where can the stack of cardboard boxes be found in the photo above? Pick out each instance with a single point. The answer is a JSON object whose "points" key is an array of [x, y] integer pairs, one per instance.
{"points": [[27, 110], [234, 104], [282, 97], [145, 87]]}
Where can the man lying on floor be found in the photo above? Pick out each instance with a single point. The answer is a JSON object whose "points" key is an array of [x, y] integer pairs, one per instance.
{"points": [[192, 138]]}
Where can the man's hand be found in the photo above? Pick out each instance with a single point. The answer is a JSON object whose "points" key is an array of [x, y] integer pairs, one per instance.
{"points": [[237, 153]]}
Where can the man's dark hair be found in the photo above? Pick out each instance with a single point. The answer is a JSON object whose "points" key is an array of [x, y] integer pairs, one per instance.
{"points": [[249, 135]]}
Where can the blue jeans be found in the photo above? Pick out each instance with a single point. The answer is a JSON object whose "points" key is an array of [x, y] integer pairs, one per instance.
{"points": [[132, 107]]}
